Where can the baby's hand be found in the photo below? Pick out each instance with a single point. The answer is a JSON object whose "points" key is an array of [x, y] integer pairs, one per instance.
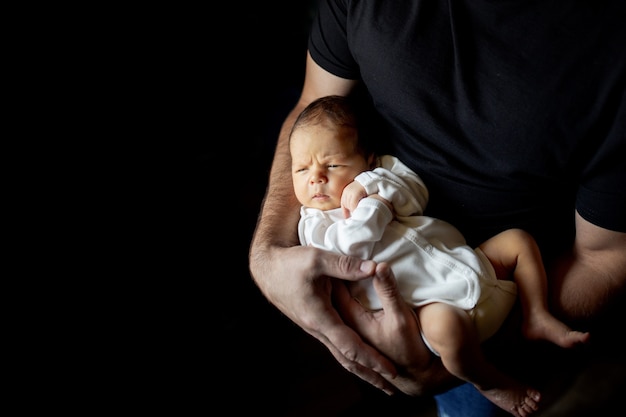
{"points": [[350, 197]]}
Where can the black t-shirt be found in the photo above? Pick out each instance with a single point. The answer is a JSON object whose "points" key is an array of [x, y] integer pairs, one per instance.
{"points": [[513, 113]]}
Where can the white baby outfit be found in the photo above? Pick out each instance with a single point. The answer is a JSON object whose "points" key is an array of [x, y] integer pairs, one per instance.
{"points": [[430, 258]]}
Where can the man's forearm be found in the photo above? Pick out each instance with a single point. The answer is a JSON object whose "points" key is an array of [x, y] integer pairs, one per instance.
{"points": [[581, 291], [277, 222]]}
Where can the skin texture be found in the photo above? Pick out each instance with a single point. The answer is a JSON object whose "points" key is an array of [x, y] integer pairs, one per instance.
{"points": [[376, 346]]}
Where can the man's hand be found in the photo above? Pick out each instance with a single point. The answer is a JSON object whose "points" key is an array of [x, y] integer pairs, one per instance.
{"points": [[395, 331], [298, 283]]}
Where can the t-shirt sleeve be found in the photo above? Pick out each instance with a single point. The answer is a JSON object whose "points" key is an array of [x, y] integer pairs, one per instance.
{"points": [[328, 43], [601, 197]]}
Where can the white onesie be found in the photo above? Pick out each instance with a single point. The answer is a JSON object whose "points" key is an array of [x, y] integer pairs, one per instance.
{"points": [[429, 257]]}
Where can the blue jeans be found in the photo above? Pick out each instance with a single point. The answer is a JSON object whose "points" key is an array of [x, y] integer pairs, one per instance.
{"points": [[466, 401]]}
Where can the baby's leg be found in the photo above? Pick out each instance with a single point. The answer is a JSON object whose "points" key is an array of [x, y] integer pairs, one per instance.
{"points": [[515, 252], [451, 333]]}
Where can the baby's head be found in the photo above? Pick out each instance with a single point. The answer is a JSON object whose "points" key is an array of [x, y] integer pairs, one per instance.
{"points": [[329, 148]]}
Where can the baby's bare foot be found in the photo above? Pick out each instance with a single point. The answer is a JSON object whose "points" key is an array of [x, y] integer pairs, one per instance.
{"points": [[517, 400], [548, 327]]}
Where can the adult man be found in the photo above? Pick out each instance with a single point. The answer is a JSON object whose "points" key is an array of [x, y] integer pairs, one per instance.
{"points": [[513, 113]]}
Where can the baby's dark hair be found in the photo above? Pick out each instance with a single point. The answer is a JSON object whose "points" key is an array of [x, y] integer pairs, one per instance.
{"points": [[343, 111]]}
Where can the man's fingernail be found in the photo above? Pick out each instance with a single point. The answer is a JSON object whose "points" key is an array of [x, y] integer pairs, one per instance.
{"points": [[368, 266]]}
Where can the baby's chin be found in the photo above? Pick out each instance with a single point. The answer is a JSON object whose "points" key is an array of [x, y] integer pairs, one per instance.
{"points": [[322, 204]]}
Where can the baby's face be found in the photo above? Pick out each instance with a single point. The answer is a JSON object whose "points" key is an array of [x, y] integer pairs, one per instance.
{"points": [[324, 160]]}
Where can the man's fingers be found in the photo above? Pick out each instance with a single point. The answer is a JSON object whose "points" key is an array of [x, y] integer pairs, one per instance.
{"points": [[345, 267], [346, 340], [345, 344], [387, 289], [359, 358]]}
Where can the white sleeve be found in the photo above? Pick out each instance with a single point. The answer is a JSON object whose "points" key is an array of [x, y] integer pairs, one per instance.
{"points": [[398, 184], [354, 236]]}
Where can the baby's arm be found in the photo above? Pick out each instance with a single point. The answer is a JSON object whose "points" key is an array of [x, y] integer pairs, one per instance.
{"points": [[354, 236], [401, 189], [398, 184]]}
